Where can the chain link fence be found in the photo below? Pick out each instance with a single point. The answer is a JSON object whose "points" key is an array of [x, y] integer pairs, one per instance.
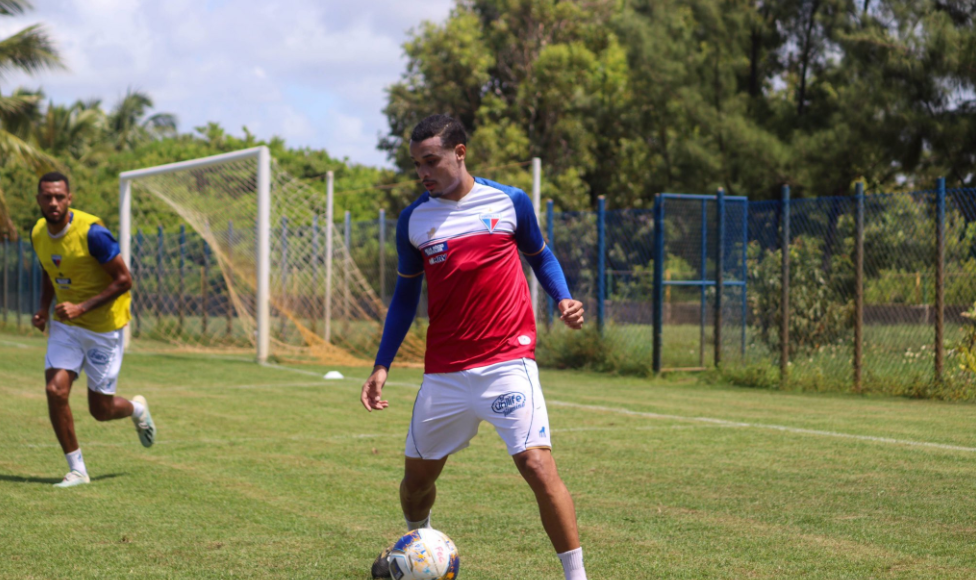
{"points": [[875, 307]]}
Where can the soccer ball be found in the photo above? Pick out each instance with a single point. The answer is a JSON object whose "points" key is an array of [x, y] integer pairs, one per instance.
{"points": [[424, 554]]}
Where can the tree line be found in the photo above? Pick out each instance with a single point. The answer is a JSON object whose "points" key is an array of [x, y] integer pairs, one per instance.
{"points": [[633, 97], [620, 98]]}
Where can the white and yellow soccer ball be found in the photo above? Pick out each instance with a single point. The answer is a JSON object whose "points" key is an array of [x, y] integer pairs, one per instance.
{"points": [[424, 554]]}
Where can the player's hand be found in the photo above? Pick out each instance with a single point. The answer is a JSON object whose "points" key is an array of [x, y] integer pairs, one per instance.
{"points": [[68, 311], [373, 390], [571, 313], [40, 320]]}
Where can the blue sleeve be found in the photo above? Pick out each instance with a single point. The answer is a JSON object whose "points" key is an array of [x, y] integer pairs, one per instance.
{"points": [[409, 261], [528, 236], [550, 274], [102, 244], [403, 308]]}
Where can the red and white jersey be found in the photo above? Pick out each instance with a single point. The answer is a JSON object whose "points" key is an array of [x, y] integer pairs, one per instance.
{"points": [[478, 298]]}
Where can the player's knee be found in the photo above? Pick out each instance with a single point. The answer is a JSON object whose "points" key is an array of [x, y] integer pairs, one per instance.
{"points": [[538, 469], [56, 390]]}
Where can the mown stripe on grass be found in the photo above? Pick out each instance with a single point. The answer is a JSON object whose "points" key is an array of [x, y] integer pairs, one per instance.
{"points": [[796, 430]]}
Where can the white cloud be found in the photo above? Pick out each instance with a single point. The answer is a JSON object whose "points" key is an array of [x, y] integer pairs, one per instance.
{"points": [[311, 71]]}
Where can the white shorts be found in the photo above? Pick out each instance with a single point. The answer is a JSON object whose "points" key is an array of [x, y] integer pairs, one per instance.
{"points": [[98, 353], [451, 406]]}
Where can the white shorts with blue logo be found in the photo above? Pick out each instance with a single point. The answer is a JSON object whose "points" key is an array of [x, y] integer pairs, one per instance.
{"points": [[451, 406], [99, 353]]}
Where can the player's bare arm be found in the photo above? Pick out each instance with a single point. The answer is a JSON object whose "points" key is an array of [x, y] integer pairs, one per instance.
{"points": [[47, 296], [372, 396], [571, 313], [121, 283]]}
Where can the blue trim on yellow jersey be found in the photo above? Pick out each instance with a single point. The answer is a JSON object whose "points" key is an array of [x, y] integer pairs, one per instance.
{"points": [[102, 245]]}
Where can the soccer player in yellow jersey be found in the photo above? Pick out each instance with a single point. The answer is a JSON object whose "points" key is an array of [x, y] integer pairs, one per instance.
{"points": [[84, 271]]}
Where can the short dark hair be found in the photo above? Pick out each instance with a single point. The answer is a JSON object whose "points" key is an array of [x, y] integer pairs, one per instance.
{"points": [[53, 177], [449, 129]]}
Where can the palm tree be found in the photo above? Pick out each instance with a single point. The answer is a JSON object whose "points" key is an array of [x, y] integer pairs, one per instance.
{"points": [[77, 131], [31, 50], [128, 126]]}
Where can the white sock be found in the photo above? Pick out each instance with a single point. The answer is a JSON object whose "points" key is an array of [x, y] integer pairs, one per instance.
{"points": [[75, 461], [137, 409], [573, 564], [411, 526]]}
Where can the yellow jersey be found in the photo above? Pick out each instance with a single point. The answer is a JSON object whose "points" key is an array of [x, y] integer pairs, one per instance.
{"points": [[73, 261]]}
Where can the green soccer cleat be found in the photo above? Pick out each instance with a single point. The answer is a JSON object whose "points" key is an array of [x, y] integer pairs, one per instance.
{"points": [[144, 424], [74, 478]]}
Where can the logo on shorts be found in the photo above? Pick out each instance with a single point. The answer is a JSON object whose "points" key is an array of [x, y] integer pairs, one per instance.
{"points": [[508, 403], [524, 340], [56, 258], [98, 357]]}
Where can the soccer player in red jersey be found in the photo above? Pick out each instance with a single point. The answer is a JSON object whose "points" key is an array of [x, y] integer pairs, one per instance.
{"points": [[465, 234]]}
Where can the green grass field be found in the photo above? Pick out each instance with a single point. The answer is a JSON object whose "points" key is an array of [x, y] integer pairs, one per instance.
{"points": [[274, 473]]}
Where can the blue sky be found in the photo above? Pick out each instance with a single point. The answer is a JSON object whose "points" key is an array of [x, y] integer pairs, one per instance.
{"points": [[311, 71]]}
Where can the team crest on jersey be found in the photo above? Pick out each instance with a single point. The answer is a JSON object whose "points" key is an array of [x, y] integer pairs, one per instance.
{"points": [[490, 220], [56, 258]]}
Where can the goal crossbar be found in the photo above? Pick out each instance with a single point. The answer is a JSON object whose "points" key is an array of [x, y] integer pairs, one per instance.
{"points": [[263, 283]]}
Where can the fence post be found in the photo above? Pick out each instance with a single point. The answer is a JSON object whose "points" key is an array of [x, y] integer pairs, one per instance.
{"points": [[550, 232], [536, 206], [138, 296], [159, 274], [204, 286], [784, 323], [20, 276], [859, 287], [745, 279], [181, 302], [230, 260], [658, 288], [6, 244], [329, 200], [601, 281], [719, 272], [315, 273], [283, 299], [940, 279], [382, 256], [347, 235], [703, 273], [32, 284]]}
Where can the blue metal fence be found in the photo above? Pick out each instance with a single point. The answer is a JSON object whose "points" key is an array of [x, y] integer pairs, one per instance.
{"points": [[873, 306]]}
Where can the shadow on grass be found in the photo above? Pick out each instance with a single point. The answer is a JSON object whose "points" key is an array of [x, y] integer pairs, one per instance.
{"points": [[50, 480]]}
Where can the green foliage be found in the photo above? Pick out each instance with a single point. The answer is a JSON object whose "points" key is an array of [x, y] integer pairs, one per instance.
{"points": [[609, 352], [820, 307], [628, 99]]}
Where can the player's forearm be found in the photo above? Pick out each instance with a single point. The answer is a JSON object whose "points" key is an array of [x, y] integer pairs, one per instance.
{"points": [[47, 293], [118, 287], [403, 309], [550, 274]]}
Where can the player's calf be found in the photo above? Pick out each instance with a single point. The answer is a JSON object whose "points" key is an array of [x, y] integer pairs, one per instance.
{"points": [[105, 407]]}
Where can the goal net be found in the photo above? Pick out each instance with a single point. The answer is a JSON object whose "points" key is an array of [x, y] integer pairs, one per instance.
{"points": [[231, 253]]}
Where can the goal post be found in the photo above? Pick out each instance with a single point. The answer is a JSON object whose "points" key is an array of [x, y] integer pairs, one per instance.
{"points": [[226, 254], [262, 156]]}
